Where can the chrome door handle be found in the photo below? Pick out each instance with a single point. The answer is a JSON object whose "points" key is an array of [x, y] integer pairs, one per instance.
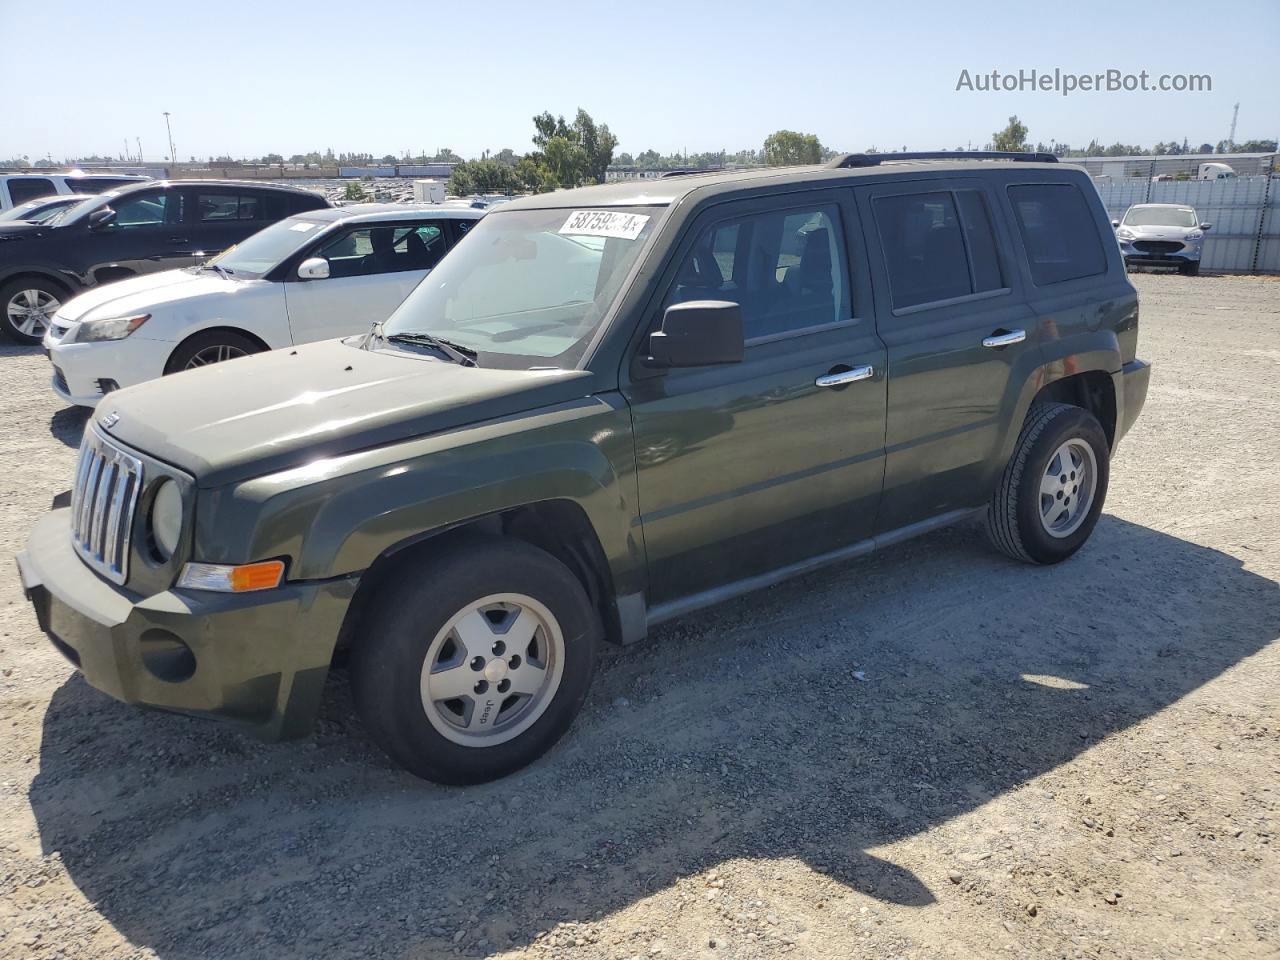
{"points": [[1004, 339], [845, 376]]}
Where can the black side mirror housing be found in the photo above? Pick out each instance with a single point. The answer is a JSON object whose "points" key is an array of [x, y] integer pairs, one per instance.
{"points": [[101, 218], [698, 333]]}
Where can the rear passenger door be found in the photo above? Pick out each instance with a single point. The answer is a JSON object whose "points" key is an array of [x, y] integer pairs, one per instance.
{"points": [[372, 268], [748, 467], [218, 218], [961, 338]]}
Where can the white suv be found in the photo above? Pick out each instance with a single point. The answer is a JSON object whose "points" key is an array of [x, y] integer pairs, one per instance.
{"points": [[20, 187], [314, 276]]}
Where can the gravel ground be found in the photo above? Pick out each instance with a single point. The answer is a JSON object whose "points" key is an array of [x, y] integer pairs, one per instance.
{"points": [[933, 752]]}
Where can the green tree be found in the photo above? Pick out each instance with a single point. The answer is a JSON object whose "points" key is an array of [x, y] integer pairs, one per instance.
{"points": [[787, 148], [353, 191], [1012, 138], [483, 176], [597, 143]]}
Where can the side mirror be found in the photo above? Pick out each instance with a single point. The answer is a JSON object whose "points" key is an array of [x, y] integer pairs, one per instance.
{"points": [[698, 333], [1206, 226], [313, 268], [1115, 223], [101, 218]]}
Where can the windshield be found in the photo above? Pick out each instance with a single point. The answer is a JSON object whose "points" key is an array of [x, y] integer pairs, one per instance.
{"points": [[1161, 217], [259, 254], [528, 288], [24, 211]]}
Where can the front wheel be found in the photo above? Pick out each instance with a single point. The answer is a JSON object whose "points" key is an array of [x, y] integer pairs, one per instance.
{"points": [[1051, 493], [26, 308], [1190, 269], [213, 346], [474, 663]]}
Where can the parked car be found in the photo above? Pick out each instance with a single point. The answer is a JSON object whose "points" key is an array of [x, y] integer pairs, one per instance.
{"points": [[20, 187], [319, 274], [144, 228], [42, 209], [1162, 235], [818, 361]]}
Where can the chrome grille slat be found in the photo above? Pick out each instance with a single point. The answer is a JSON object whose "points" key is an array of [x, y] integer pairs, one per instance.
{"points": [[103, 502]]}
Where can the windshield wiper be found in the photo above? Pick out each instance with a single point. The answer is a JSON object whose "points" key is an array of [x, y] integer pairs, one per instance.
{"points": [[218, 269], [454, 351]]}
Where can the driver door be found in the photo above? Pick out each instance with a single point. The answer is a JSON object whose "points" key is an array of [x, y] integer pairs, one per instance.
{"points": [[749, 467], [145, 236]]}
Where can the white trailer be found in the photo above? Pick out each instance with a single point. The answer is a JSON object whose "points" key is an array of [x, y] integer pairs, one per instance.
{"points": [[428, 191]]}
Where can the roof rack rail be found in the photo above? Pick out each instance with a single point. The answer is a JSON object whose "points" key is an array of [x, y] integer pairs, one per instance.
{"points": [[874, 159]]}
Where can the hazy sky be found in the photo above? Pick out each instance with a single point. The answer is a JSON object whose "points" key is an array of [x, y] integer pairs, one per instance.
{"points": [[251, 78]]}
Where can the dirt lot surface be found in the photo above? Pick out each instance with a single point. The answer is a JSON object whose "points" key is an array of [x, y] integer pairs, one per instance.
{"points": [[934, 752]]}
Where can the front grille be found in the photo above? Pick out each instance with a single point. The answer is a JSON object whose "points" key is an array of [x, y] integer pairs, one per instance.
{"points": [[1158, 246], [103, 501]]}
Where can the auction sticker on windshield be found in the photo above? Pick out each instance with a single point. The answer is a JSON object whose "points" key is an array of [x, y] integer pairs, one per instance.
{"points": [[605, 223]]}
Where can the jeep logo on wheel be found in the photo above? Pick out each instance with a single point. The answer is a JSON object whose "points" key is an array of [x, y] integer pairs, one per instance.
{"points": [[488, 708]]}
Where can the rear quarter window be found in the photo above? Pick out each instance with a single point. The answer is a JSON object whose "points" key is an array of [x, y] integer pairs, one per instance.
{"points": [[1058, 232]]}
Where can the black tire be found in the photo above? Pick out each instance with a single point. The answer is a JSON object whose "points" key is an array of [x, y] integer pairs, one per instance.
{"points": [[16, 289], [1191, 269], [1013, 516], [211, 342], [410, 610]]}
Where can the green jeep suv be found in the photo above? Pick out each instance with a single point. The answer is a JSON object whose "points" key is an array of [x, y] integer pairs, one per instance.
{"points": [[606, 408]]}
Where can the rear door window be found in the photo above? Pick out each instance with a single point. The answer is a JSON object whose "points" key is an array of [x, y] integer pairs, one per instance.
{"points": [[220, 207], [937, 246], [1058, 232]]}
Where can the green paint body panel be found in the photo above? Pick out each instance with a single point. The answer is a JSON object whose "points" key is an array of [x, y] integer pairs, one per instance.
{"points": [[693, 484]]}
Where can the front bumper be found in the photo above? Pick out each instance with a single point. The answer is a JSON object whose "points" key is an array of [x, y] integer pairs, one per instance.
{"points": [[1131, 390], [256, 659], [80, 369], [1134, 256]]}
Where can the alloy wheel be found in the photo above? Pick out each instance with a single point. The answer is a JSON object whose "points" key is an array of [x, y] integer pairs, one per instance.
{"points": [[30, 311], [1067, 488], [215, 353], [492, 670]]}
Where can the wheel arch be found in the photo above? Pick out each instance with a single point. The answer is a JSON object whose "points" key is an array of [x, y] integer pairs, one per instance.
{"points": [[1094, 390], [21, 273], [560, 527], [205, 331]]}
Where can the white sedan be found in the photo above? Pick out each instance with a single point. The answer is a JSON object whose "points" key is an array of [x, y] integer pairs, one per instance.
{"points": [[321, 274]]}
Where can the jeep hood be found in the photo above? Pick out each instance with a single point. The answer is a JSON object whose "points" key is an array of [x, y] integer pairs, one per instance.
{"points": [[284, 408], [144, 293]]}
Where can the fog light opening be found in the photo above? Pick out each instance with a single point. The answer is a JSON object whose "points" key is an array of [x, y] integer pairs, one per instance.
{"points": [[107, 385], [166, 656]]}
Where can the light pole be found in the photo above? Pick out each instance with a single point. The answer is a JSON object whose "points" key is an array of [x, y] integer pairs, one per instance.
{"points": [[173, 157]]}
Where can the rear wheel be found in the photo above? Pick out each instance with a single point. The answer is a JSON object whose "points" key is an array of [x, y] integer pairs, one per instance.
{"points": [[473, 664], [215, 346], [26, 308], [1051, 493]]}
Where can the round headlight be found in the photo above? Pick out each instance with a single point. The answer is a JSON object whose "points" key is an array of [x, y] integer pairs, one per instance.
{"points": [[166, 518]]}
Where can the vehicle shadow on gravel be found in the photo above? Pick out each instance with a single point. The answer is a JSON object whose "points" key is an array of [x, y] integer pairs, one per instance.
{"points": [[67, 425], [814, 721]]}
